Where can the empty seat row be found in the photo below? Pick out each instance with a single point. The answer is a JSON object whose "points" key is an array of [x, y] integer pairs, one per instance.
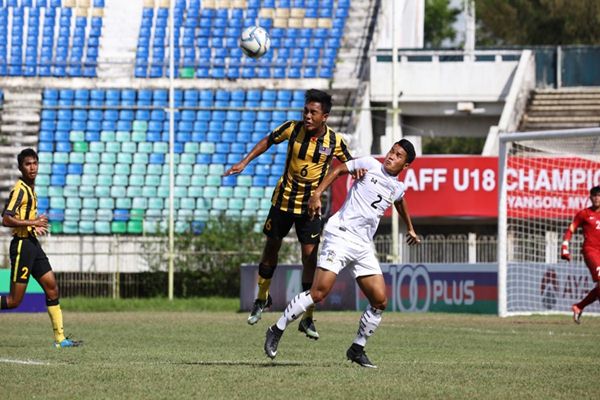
{"points": [[101, 181], [48, 39], [207, 41]]}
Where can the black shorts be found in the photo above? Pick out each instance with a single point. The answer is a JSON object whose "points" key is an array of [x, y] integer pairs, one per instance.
{"points": [[279, 223], [27, 258]]}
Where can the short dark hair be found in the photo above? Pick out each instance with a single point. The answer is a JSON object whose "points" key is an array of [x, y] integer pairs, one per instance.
{"points": [[318, 96], [27, 153], [595, 191], [408, 148]]}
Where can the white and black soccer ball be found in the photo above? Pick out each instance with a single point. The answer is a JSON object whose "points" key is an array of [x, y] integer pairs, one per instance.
{"points": [[255, 41]]}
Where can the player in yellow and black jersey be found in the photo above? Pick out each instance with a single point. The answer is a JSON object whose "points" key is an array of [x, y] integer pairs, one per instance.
{"points": [[27, 258], [311, 146], [307, 162]]}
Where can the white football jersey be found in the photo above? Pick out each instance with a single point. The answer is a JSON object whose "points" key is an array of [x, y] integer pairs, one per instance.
{"points": [[366, 201]]}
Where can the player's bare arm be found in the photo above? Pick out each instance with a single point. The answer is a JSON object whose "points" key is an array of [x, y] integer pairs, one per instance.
{"points": [[314, 203], [411, 235], [257, 150], [12, 221]]}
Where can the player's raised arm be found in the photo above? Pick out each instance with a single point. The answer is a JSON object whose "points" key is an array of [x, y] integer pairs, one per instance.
{"points": [[314, 203], [260, 147], [402, 208]]}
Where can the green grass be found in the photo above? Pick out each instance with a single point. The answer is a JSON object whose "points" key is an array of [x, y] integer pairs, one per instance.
{"points": [[216, 355]]}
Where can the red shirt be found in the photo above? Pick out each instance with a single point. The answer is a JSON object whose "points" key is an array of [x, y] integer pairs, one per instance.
{"points": [[589, 221]]}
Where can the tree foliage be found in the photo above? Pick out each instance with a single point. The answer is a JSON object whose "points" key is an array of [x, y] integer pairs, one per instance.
{"points": [[452, 145], [439, 18], [208, 264], [538, 22]]}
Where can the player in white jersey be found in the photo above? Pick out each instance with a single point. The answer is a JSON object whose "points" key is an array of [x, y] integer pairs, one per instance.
{"points": [[347, 243]]}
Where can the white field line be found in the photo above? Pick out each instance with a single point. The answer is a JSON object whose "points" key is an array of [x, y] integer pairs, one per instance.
{"points": [[22, 362]]}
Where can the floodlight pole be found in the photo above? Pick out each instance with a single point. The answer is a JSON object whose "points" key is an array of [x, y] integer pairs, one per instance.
{"points": [[395, 126], [171, 254]]}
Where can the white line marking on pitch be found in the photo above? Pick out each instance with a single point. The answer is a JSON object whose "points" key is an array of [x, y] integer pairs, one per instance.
{"points": [[24, 362]]}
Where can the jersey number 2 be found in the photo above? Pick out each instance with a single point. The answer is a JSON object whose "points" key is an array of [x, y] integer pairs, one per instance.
{"points": [[374, 204]]}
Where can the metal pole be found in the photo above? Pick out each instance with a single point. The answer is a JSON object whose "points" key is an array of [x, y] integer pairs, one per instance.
{"points": [[470, 29], [171, 144], [395, 133], [502, 230], [559, 67]]}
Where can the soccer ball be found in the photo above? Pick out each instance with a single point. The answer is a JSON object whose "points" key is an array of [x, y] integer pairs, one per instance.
{"points": [[255, 41]]}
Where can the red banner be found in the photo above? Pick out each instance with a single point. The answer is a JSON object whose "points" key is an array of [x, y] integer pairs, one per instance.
{"points": [[466, 186], [549, 187]]}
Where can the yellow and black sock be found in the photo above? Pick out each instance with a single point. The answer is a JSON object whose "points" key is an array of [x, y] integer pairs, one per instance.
{"points": [[56, 318], [265, 273]]}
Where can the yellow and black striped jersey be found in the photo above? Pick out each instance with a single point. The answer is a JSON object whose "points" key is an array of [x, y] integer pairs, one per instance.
{"points": [[22, 203], [307, 162]]}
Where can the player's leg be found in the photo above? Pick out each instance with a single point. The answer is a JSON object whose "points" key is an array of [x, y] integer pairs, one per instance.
{"points": [[15, 297], [309, 264], [592, 261], [373, 287], [42, 272], [20, 261], [309, 232], [370, 281], [322, 285], [331, 261], [276, 227]]}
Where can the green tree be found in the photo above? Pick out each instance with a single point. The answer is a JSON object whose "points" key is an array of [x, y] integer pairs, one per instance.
{"points": [[452, 145], [439, 18], [537, 22], [208, 264]]}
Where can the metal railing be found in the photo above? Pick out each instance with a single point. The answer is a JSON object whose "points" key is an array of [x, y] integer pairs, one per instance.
{"points": [[135, 266], [459, 248]]}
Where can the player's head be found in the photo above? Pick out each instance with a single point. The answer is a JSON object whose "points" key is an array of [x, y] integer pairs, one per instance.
{"points": [[399, 157], [318, 96], [317, 105], [28, 163], [595, 196]]}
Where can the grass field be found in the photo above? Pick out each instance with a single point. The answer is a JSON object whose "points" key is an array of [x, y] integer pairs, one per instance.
{"points": [[142, 354]]}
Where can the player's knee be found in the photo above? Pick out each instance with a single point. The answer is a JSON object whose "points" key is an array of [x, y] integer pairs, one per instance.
{"points": [[380, 304], [52, 292]]}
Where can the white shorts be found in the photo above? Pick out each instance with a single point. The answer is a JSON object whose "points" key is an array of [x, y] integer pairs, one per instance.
{"points": [[338, 253]]}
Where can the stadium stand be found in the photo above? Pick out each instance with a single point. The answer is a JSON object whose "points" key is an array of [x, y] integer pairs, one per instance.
{"points": [[563, 108], [305, 38], [50, 37], [103, 146], [106, 170]]}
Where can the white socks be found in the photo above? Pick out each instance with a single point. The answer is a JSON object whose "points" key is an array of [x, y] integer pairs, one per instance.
{"points": [[297, 306], [369, 321]]}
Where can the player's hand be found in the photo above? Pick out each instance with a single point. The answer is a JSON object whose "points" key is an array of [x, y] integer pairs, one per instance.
{"points": [[412, 238], [358, 173], [564, 251], [40, 230], [314, 206], [235, 169], [41, 221]]}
